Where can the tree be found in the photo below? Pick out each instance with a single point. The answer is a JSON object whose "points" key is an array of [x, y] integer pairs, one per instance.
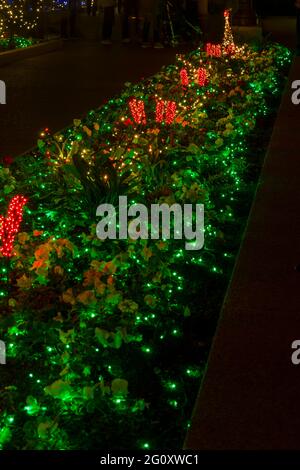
{"points": [[19, 16]]}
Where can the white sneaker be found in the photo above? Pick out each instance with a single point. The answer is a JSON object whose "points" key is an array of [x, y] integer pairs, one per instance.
{"points": [[106, 42]]}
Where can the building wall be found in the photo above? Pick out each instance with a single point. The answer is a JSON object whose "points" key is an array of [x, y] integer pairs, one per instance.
{"points": [[275, 7], [262, 7]]}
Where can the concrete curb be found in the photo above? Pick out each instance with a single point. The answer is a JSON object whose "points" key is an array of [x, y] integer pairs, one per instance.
{"points": [[249, 398], [8, 57]]}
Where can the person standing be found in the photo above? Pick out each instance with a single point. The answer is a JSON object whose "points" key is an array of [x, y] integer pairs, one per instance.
{"points": [[130, 10], [73, 11], [108, 20], [149, 13], [91, 7]]}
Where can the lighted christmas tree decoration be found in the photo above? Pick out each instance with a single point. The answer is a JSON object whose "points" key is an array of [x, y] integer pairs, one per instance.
{"points": [[165, 111], [228, 40], [53, 5], [9, 226], [18, 16], [228, 45], [137, 109], [184, 77]]}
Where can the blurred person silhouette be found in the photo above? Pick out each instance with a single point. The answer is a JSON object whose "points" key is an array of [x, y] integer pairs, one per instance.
{"points": [[108, 20], [91, 7], [73, 6], [151, 22], [130, 10]]}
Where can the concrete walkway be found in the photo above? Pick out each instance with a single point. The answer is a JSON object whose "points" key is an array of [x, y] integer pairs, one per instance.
{"points": [[53, 89], [281, 29], [250, 398]]}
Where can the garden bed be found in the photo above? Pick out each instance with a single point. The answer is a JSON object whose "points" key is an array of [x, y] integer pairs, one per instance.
{"points": [[25, 48], [107, 340], [16, 43]]}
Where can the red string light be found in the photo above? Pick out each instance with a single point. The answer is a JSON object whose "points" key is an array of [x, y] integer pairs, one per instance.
{"points": [[170, 112], [213, 50], [184, 77], [137, 109], [202, 77], [160, 111], [165, 111], [9, 226], [231, 49]]}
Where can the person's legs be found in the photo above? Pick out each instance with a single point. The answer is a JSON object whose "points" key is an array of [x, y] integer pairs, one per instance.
{"points": [[158, 20], [108, 21], [298, 31], [94, 8], [146, 30], [131, 9], [89, 6], [72, 18], [146, 14], [126, 16]]}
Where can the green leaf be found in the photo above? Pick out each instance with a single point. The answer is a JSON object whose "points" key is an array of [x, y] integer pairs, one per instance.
{"points": [[88, 393], [193, 148], [41, 144], [59, 389], [118, 340], [119, 387]]}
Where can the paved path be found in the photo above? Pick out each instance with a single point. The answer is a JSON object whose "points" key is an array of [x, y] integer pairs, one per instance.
{"points": [[281, 29], [53, 89], [250, 398]]}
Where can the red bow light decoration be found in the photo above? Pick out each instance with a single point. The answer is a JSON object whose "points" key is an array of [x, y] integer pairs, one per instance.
{"points": [[137, 109], [165, 111], [9, 226], [184, 77], [213, 50], [202, 77]]}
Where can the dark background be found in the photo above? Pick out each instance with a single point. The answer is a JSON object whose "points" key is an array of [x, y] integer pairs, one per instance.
{"points": [[262, 7], [274, 7]]}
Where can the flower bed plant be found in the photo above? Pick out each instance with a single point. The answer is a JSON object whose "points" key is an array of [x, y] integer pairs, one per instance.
{"points": [[107, 340], [16, 42]]}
